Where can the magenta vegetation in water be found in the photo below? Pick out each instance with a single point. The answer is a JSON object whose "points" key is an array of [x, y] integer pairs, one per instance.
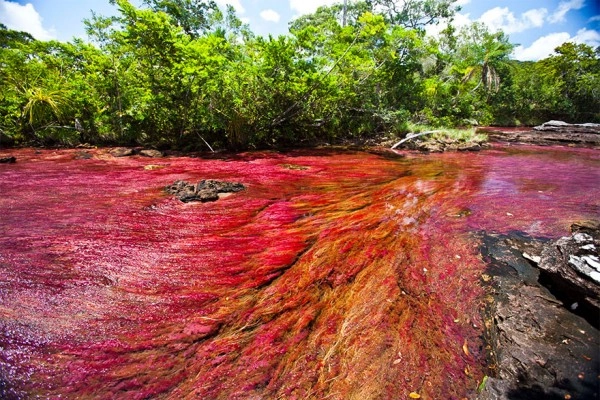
{"points": [[346, 276]]}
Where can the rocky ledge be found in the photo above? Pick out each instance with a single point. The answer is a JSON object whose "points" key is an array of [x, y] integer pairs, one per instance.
{"points": [[563, 127], [549, 133], [572, 265], [542, 318], [440, 146], [203, 191]]}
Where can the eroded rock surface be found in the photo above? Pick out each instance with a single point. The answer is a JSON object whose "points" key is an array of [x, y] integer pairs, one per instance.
{"points": [[549, 133], [538, 347], [203, 191], [572, 265], [560, 126]]}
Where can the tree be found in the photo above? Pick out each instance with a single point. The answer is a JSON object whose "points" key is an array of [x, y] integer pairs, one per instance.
{"points": [[193, 16], [479, 54], [576, 68], [466, 80], [414, 14]]}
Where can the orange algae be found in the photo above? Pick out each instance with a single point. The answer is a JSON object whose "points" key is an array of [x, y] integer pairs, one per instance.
{"points": [[348, 276]]}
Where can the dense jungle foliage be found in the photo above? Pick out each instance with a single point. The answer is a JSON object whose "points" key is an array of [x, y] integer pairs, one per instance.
{"points": [[184, 74]]}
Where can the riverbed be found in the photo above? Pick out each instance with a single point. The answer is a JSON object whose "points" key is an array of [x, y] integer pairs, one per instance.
{"points": [[334, 274]]}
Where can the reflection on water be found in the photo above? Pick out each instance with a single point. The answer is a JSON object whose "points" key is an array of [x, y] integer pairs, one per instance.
{"points": [[538, 190], [334, 275]]}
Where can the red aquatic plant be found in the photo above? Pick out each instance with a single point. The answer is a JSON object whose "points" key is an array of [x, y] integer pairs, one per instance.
{"points": [[333, 275]]}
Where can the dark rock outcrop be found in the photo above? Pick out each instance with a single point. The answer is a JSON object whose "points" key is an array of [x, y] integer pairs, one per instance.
{"points": [[8, 160], [571, 265], [538, 346], [205, 190]]}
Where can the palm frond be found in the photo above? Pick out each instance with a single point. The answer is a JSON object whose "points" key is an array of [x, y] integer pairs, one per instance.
{"points": [[42, 103]]}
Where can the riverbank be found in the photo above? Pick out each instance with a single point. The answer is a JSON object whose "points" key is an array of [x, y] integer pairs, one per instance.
{"points": [[438, 140], [548, 134]]}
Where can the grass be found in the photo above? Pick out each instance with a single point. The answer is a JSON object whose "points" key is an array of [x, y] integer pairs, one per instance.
{"points": [[430, 139], [461, 135]]}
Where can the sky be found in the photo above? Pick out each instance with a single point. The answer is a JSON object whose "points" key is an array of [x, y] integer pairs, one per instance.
{"points": [[537, 27]]}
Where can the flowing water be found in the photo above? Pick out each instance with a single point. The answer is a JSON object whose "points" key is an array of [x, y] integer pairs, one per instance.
{"points": [[338, 275]]}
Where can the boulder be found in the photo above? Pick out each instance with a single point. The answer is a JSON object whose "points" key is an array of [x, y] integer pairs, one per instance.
{"points": [[121, 152], [151, 153], [203, 191]]}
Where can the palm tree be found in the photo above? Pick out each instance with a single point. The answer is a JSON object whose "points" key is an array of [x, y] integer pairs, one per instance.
{"points": [[481, 54]]}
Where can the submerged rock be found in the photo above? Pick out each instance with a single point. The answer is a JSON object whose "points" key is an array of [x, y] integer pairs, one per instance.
{"points": [[203, 191], [8, 160], [83, 155]]}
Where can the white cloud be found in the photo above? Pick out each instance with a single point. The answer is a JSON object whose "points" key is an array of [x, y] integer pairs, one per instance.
{"points": [[24, 18], [541, 48], [588, 36], [544, 46], [594, 18], [270, 15], [503, 19], [462, 2], [535, 17], [563, 8], [459, 21], [309, 6], [496, 19], [235, 3]]}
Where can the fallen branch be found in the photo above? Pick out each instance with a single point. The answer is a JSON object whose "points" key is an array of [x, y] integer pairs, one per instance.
{"points": [[206, 143], [412, 136]]}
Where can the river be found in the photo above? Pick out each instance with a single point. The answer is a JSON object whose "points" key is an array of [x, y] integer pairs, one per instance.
{"points": [[335, 274]]}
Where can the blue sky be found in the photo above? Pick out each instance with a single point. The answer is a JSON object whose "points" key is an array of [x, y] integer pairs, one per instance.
{"points": [[537, 26]]}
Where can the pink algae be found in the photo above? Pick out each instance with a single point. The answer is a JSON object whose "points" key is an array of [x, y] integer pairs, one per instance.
{"points": [[333, 275]]}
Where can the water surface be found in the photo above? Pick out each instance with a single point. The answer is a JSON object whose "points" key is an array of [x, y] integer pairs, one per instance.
{"points": [[334, 275]]}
